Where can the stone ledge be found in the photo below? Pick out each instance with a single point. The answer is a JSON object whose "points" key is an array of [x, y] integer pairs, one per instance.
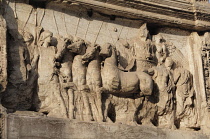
{"points": [[163, 12], [39, 127]]}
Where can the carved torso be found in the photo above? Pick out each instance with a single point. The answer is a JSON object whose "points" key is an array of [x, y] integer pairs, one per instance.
{"points": [[46, 64], [184, 81], [66, 65]]}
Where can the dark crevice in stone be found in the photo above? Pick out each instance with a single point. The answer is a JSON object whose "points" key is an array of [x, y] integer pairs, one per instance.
{"points": [[38, 3]]}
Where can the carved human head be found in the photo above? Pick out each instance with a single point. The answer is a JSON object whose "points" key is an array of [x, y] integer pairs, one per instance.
{"points": [[159, 39], [143, 32], [45, 38], [169, 62], [28, 37]]}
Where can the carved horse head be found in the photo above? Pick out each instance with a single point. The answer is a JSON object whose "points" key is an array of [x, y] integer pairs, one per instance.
{"points": [[106, 50], [109, 53], [91, 52], [78, 46]]}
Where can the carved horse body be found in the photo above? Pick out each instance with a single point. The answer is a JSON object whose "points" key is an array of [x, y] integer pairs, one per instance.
{"points": [[117, 81], [79, 75], [93, 77], [78, 68]]}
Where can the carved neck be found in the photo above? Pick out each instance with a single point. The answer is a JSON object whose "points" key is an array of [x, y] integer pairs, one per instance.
{"points": [[97, 56], [113, 58]]}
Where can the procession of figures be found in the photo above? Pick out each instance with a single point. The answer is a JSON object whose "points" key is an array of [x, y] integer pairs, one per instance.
{"points": [[135, 81]]}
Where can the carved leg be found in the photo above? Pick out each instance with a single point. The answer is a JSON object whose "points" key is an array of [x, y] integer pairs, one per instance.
{"points": [[172, 119], [86, 103], [57, 108], [147, 112], [65, 97], [179, 104], [105, 111], [107, 103], [99, 104], [71, 103], [106, 118]]}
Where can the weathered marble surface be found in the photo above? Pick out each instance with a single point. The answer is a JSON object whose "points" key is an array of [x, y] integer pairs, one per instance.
{"points": [[38, 127], [105, 61]]}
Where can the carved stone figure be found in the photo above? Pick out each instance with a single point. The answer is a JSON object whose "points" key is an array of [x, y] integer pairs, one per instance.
{"points": [[165, 87], [50, 100], [28, 39], [31, 56], [184, 98], [151, 75], [126, 57], [47, 53], [161, 51], [143, 50], [184, 89], [64, 60], [19, 72]]}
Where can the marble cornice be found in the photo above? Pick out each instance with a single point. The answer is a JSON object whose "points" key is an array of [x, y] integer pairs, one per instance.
{"points": [[176, 13]]}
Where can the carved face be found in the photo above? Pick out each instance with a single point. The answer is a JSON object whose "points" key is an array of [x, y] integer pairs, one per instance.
{"points": [[46, 38], [106, 50], [143, 32]]}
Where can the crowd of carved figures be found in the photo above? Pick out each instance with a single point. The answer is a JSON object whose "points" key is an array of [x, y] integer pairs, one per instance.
{"points": [[133, 82]]}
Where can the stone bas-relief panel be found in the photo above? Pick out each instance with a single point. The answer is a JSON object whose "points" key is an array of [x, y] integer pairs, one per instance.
{"points": [[67, 64]]}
